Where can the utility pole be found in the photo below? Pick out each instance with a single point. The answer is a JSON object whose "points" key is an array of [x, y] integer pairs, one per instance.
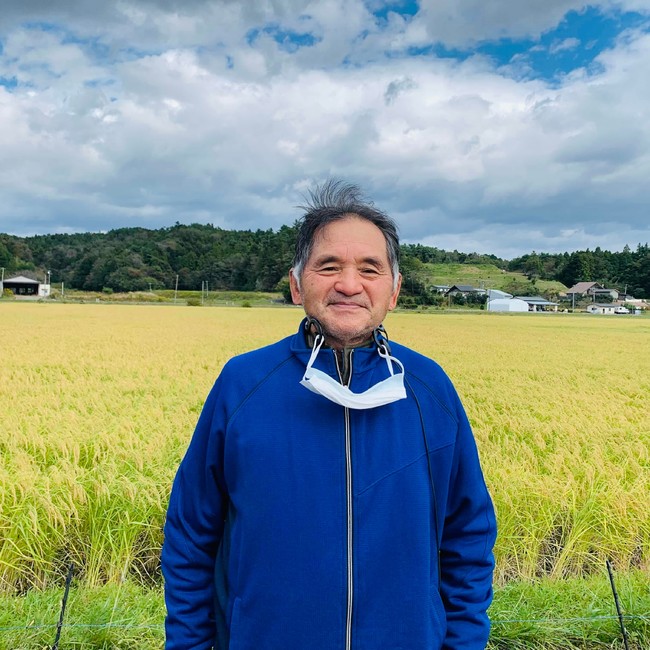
{"points": [[176, 289]]}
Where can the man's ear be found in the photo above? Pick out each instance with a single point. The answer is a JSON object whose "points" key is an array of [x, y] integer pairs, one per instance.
{"points": [[295, 288], [395, 296]]}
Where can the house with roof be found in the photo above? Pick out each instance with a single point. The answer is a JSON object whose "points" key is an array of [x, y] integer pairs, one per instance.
{"points": [[605, 308], [605, 293], [594, 290], [465, 290], [582, 289]]}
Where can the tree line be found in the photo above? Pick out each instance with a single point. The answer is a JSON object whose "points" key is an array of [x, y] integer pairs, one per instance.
{"points": [[139, 259], [627, 271]]}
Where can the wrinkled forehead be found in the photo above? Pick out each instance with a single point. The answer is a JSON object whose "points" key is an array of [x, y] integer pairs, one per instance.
{"points": [[351, 230]]}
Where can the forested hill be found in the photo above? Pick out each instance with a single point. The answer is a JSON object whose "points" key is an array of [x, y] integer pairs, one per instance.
{"points": [[132, 259]]}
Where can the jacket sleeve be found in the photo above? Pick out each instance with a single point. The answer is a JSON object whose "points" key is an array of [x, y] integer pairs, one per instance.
{"points": [[466, 559], [193, 530]]}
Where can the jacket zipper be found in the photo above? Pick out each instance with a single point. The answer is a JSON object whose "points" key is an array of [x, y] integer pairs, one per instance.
{"points": [[348, 489], [348, 466]]}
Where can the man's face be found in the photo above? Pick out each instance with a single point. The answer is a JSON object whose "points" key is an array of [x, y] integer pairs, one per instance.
{"points": [[347, 282]]}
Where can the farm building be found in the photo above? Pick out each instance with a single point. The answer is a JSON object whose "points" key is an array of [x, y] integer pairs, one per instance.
{"points": [[22, 286], [507, 304], [493, 294], [537, 303], [601, 308]]}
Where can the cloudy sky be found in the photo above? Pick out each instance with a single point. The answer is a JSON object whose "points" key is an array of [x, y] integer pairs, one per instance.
{"points": [[498, 127]]}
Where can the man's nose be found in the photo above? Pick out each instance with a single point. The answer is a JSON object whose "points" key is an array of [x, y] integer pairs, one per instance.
{"points": [[349, 282]]}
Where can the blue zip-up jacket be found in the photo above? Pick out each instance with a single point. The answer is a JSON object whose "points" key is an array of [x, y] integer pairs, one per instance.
{"points": [[297, 524]]}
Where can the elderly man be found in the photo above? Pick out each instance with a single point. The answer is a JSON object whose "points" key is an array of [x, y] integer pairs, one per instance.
{"points": [[331, 496]]}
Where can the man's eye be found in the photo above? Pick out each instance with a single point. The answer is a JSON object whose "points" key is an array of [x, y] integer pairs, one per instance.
{"points": [[369, 271]]}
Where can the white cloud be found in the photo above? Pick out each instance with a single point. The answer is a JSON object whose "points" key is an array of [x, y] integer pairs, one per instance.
{"points": [[98, 136], [563, 45], [462, 23]]}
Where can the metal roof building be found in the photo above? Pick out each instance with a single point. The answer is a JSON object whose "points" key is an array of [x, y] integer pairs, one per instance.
{"points": [[22, 286], [537, 303]]}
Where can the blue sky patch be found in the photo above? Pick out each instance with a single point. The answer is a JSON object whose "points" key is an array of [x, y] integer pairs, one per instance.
{"points": [[288, 40], [575, 43], [42, 26], [9, 82], [402, 7], [93, 47]]}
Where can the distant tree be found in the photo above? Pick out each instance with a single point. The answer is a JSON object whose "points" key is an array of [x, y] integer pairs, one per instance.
{"points": [[579, 268], [284, 288], [533, 266], [640, 271], [5, 255]]}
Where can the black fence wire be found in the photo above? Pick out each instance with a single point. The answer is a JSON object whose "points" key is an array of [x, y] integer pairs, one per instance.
{"points": [[160, 626], [543, 622], [158, 629]]}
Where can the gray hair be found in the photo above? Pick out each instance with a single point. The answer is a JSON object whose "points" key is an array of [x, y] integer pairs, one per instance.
{"points": [[335, 200]]}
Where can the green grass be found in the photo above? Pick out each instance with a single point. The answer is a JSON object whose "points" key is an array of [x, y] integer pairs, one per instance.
{"points": [[571, 614], [487, 276], [546, 615], [125, 617]]}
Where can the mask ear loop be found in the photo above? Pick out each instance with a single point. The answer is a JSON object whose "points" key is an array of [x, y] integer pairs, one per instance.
{"points": [[383, 349], [318, 343]]}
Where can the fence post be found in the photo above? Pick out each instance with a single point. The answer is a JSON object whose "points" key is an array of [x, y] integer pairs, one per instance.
{"points": [[64, 602], [618, 604]]}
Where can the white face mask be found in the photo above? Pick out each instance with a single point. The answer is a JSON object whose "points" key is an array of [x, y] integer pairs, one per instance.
{"points": [[386, 391]]}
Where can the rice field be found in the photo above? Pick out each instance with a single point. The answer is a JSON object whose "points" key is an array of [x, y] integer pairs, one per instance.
{"points": [[98, 403]]}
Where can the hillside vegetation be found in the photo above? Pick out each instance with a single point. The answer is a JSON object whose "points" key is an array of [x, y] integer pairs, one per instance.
{"points": [[191, 256], [482, 276]]}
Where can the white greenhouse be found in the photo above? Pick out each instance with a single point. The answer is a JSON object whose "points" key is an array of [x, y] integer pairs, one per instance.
{"points": [[507, 304]]}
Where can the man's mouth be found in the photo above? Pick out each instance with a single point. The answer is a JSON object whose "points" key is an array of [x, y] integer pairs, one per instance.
{"points": [[346, 303]]}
